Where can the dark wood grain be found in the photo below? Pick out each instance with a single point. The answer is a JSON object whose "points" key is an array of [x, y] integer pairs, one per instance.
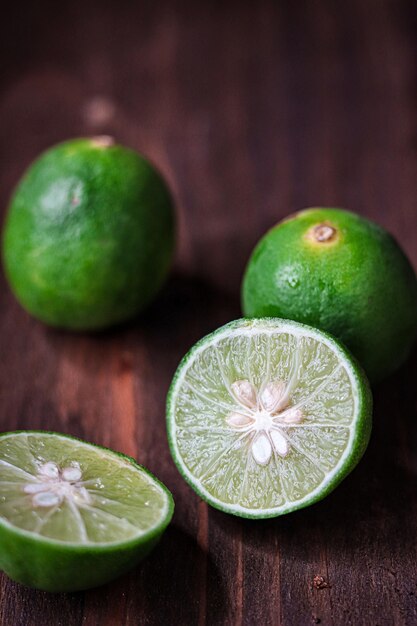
{"points": [[252, 110]]}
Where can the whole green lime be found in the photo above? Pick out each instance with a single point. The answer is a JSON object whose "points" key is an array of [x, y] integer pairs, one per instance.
{"points": [[89, 235], [341, 273]]}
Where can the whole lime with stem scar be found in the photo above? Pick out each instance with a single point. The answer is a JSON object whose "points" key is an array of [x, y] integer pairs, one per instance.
{"points": [[341, 273]]}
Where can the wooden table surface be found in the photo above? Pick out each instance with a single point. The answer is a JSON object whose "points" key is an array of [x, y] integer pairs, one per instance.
{"points": [[252, 110]]}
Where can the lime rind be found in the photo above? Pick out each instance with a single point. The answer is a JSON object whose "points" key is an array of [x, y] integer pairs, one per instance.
{"points": [[360, 427]]}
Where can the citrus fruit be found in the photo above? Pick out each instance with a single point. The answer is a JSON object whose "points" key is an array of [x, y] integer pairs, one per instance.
{"points": [[89, 235], [342, 273], [266, 416], [74, 515]]}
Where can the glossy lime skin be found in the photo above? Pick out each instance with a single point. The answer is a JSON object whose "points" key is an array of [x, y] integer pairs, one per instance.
{"points": [[62, 568], [89, 235], [360, 287], [55, 566]]}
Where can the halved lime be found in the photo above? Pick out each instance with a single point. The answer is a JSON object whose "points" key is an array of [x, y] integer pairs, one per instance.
{"points": [[74, 515], [266, 416]]}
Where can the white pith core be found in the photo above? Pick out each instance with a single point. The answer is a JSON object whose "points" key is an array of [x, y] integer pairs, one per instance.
{"points": [[53, 485], [260, 431], [270, 414]]}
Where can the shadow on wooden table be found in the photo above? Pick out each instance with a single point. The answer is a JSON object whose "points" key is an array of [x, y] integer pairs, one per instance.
{"points": [[175, 583], [187, 307], [190, 303], [167, 588]]}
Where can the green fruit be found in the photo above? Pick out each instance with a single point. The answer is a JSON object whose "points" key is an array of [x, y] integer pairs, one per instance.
{"points": [[343, 274], [267, 416], [89, 236], [74, 515]]}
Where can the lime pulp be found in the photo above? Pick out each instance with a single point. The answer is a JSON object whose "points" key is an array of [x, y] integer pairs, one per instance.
{"points": [[266, 416]]}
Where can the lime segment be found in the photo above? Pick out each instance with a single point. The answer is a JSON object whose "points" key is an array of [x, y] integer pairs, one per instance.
{"points": [[61, 496], [267, 416]]}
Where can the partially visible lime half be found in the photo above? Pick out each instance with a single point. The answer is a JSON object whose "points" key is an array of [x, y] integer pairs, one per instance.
{"points": [[266, 416], [74, 515]]}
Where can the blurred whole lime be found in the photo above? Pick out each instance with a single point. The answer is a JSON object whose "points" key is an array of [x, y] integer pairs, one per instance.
{"points": [[89, 235], [341, 273]]}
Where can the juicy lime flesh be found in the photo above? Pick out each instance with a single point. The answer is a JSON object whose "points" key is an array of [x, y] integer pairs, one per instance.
{"points": [[263, 418], [68, 491]]}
